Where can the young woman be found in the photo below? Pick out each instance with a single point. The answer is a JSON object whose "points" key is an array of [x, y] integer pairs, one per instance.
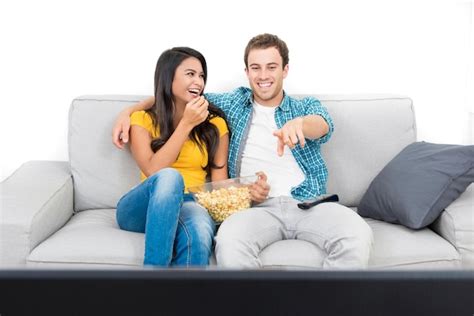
{"points": [[177, 143]]}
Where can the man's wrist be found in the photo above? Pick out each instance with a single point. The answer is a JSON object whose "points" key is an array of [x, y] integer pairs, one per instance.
{"points": [[304, 121], [129, 110]]}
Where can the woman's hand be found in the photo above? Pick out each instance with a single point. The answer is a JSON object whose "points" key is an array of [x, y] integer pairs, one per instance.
{"points": [[195, 112]]}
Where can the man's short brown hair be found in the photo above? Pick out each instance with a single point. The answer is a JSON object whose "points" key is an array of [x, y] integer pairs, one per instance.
{"points": [[266, 40]]}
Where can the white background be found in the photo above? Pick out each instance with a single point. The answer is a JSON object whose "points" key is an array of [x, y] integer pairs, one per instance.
{"points": [[52, 51]]}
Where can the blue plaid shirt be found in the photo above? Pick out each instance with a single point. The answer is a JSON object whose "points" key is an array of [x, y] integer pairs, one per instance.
{"points": [[237, 105]]}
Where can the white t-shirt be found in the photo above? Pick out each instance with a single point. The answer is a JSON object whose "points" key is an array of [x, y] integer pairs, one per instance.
{"points": [[260, 154]]}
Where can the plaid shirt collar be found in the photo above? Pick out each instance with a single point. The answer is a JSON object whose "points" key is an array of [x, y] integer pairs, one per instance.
{"points": [[284, 105]]}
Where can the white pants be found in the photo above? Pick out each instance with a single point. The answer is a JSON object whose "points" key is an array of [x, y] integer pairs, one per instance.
{"points": [[341, 232]]}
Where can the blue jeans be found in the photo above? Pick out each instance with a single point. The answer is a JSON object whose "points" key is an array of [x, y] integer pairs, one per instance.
{"points": [[178, 231]]}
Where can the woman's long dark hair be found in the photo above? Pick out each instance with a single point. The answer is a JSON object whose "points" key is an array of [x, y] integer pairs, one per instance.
{"points": [[206, 134]]}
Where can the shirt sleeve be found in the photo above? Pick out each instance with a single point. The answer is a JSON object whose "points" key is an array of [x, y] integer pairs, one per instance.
{"points": [[224, 101], [221, 125], [227, 101], [218, 99], [143, 119], [312, 106]]}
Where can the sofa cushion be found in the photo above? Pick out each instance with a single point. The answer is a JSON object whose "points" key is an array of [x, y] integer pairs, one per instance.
{"points": [[399, 247], [91, 238], [416, 185]]}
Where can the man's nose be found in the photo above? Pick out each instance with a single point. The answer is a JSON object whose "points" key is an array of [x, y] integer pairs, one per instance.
{"points": [[263, 74]]}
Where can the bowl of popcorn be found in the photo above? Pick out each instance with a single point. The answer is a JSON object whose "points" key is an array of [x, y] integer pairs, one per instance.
{"points": [[224, 198]]}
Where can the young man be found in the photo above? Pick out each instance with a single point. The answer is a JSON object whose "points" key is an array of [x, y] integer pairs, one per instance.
{"points": [[263, 121]]}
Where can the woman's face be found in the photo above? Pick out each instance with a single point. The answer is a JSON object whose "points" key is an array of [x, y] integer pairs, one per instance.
{"points": [[188, 82]]}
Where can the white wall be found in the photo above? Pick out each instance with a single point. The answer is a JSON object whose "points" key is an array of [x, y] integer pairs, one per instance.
{"points": [[53, 51]]}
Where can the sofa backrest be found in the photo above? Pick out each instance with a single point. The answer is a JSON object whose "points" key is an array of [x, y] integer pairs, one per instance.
{"points": [[369, 131]]}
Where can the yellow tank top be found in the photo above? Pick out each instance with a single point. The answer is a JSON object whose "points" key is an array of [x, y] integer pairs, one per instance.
{"points": [[191, 160]]}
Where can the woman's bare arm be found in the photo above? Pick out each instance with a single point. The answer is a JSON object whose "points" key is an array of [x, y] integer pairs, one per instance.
{"points": [[220, 159]]}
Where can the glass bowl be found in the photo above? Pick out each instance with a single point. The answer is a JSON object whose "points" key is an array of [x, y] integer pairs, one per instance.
{"points": [[224, 198]]}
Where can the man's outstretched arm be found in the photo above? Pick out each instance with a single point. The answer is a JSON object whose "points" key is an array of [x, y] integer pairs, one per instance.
{"points": [[296, 130], [121, 129]]}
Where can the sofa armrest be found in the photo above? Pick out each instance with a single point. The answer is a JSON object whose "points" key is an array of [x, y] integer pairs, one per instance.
{"points": [[36, 200], [456, 224]]}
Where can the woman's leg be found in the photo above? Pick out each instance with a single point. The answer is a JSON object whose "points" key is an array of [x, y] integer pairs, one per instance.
{"points": [[194, 237], [153, 207]]}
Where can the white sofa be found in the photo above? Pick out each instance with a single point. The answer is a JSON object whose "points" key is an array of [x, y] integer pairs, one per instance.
{"points": [[62, 214]]}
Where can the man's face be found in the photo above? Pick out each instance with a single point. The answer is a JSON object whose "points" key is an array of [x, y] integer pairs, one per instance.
{"points": [[266, 74]]}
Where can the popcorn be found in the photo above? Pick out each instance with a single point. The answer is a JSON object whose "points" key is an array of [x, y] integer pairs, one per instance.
{"points": [[223, 202], [224, 197]]}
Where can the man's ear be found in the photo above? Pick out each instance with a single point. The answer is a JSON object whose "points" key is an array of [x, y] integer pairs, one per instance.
{"points": [[285, 70]]}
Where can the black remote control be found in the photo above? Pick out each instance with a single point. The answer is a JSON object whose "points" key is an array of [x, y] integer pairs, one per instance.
{"points": [[320, 199]]}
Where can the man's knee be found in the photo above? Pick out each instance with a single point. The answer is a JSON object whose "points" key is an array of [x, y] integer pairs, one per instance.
{"points": [[361, 231], [358, 242], [234, 248], [242, 236], [227, 241], [342, 233], [236, 253]]}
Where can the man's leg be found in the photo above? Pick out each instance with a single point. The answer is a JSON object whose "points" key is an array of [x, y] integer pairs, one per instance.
{"points": [[243, 235], [338, 230]]}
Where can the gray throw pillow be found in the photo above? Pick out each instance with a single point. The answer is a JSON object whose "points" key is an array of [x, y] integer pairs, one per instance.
{"points": [[415, 186]]}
